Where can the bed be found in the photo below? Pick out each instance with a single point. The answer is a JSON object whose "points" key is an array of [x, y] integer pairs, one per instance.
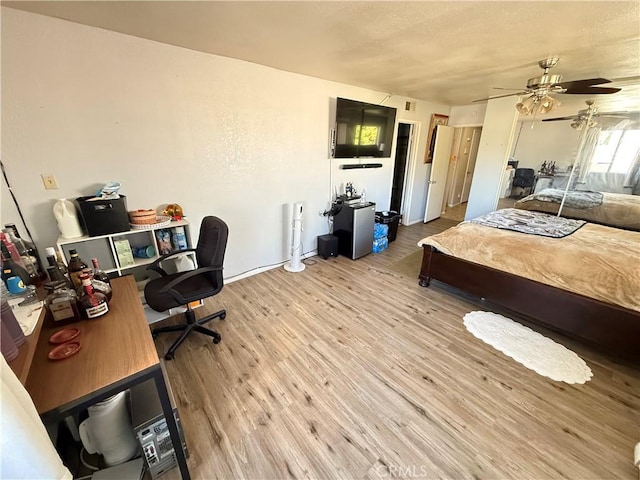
{"points": [[613, 209], [585, 284]]}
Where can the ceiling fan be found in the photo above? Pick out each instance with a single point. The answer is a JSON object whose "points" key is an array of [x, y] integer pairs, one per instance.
{"points": [[539, 89], [587, 117]]}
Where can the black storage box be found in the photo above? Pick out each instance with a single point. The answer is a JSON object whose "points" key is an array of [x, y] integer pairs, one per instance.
{"points": [[327, 246], [103, 217], [391, 218]]}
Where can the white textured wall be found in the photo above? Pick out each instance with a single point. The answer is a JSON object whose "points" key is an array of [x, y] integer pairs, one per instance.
{"points": [[217, 135], [467, 115], [493, 152], [545, 142]]}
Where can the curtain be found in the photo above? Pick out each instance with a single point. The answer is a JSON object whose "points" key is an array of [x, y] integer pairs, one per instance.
{"points": [[632, 180], [26, 449], [585, 152]]}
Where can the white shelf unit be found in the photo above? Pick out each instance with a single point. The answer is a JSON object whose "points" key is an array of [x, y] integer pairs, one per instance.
{"points": [[102, 247]]}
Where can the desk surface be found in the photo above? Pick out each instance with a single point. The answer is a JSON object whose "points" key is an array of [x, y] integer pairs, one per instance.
{"points": [[114, 347]]}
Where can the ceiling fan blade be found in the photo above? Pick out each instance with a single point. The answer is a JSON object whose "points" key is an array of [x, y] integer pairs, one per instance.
{"points": [[499, 96], [591, 90], [503, 88], [614, 115], [559, 118], [587, 82]]}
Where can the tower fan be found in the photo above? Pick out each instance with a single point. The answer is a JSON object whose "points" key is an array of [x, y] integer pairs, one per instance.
{"points": [[295, 264]]}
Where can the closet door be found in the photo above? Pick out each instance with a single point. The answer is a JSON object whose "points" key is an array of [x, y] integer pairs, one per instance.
{"points": [[438, 176], [471, 163]]}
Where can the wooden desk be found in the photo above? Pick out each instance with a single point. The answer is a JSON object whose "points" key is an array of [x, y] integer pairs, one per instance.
{"points": [[117, 352]]}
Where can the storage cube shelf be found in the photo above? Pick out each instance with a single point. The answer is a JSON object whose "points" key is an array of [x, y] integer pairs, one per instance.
{"points": [[103, 248]]}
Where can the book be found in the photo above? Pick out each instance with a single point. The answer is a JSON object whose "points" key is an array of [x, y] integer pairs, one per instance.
{"points": [[123, 250]]}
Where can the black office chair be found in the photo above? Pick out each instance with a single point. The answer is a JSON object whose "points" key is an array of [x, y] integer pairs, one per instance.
{"points": [[524, 178], [170, 291]]}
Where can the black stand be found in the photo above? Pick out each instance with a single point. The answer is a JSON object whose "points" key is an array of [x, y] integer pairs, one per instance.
{"points": [[187, 328]]}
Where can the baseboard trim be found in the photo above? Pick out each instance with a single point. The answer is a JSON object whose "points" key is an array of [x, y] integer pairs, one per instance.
{"points": [[258, 270]]}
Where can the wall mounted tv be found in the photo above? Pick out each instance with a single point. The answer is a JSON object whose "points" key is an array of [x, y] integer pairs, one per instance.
{"points": [[363, 129]]}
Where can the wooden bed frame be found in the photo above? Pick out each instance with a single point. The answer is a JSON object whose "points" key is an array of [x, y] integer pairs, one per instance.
{"points": [[611, 328]]}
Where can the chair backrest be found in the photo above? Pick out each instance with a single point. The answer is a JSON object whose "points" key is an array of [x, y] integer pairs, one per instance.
{"points": [[212, 244], [525, 172]]}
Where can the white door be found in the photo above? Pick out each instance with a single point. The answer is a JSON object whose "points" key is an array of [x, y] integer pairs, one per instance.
{"points": [[471, 164], [438, 179]]}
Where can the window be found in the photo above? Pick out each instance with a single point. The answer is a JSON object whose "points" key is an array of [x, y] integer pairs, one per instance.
{"points": [[368, 136], [615, 151]]}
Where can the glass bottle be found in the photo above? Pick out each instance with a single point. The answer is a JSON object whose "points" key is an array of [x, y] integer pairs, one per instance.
{"points": [[60, 259], [76, 265], [92, 304], [15, 267], [27, 250], [55, 276], [101, 281], [80, 289], [55, 270], [10, 247], [56, 260], [61, 302]]}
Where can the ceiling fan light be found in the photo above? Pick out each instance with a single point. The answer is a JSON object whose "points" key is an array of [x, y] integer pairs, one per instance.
{"points": [[547, 103], [525, 107]]}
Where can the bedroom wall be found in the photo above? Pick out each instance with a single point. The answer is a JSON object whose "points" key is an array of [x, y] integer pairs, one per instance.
{"points": [[546, 141], [467, 115], [216, 135], [493, 152]]}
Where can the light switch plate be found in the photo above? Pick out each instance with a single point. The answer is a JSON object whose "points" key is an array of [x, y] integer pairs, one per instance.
{"points": [[49, 181]]}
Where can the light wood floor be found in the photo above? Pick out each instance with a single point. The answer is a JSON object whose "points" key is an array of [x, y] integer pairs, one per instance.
{"points": [[351, 370], [457, 212]]}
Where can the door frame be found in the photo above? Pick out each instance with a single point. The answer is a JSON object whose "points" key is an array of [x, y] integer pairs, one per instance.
{"points": [[469, 178], [409, 169], [430, 182]]}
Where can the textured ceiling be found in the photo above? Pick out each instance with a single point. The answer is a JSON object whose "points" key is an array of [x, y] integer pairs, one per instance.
{"points": [[450, 52]]}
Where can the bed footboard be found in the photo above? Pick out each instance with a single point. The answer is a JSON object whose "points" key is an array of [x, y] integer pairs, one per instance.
{"points": [[609, 327]]}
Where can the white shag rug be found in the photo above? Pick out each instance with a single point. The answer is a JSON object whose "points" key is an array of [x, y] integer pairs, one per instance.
{"points": [[531, 349]]}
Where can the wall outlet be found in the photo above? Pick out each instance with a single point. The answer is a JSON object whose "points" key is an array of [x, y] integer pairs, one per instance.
{"points": [[49, 181]]}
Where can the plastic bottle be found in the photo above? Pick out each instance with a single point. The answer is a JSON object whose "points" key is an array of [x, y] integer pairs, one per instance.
{"points": [[179, 239], [67, 217]]}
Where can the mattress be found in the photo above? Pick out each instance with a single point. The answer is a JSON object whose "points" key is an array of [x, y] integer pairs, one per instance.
{"points": [[596, 261], [615, 210]]}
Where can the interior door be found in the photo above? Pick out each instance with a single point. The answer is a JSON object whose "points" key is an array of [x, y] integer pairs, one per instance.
{"points": [[438, 178], [471, 164]]}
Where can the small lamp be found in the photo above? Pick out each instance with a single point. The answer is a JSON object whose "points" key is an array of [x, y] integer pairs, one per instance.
{"points": [[547, 103], [526, 106]]}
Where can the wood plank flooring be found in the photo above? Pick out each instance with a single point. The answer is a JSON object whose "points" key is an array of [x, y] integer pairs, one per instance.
{"points": [[350, 370]]}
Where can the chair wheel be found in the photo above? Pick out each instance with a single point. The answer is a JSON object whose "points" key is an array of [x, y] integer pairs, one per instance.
{"points": [[223, 316], [217, 339], [168, 356]]}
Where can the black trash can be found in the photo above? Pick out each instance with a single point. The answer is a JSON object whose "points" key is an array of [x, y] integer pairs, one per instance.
{"points": [[391, 218]]}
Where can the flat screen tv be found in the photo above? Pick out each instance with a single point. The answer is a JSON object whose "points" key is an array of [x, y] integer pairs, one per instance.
{"points": [[363, 129]]}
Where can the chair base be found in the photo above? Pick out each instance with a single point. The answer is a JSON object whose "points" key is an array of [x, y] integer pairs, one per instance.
{"points": [[186, 328]]}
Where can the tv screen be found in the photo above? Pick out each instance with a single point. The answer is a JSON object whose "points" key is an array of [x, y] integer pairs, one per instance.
{"points": [[363, 129]]}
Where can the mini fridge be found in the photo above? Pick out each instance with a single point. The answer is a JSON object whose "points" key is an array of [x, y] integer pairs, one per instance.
{"points": [[353, 225]]}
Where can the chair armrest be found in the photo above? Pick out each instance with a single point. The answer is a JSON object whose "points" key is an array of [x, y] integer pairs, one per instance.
{"points": [[168, 288], [155, 266]]}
